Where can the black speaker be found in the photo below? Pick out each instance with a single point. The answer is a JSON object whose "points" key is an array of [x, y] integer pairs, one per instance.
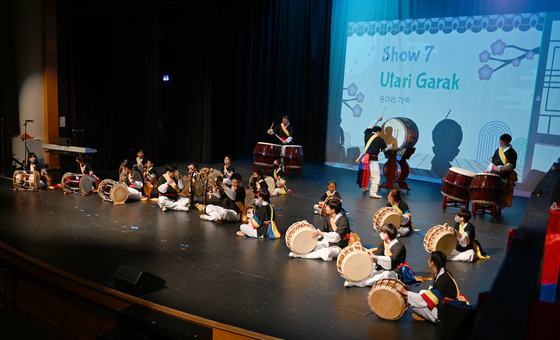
{"points": [[136, 282]]}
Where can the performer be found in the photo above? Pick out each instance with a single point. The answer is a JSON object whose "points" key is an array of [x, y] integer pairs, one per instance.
{"points": [[140, 160], [262, 223], [331, 192], [171, 185], [257, 184], [503, 164], [84, 167], [193, 176], [279, 176], [228, 170], [133, 180], [395, 201], [389, 256], [232, 204], [150, 178], [33, 164], [468, 249], [427, 303], [284, 131], [335, 233], [368, 160]]}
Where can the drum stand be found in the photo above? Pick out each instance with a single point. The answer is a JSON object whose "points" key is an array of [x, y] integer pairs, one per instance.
{"points": [[482, 208], [405, 168], [455, 203], [391, 171]]}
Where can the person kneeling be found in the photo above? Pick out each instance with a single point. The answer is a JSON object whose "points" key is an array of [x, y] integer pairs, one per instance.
{"points": [[389, 256], [262, 222], [335, 233]]}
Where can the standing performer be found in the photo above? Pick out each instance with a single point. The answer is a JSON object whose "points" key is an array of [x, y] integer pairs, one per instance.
{"points": [[395, 201], [335, 233], [389, 256], [284, 131], [262, 223], [279, 177], [503, 163], [134, 180], [468, 249], [140, 160], [171, 185], [368, 160], [427, 303], [232, 205], [228, 170], [85, 168]]}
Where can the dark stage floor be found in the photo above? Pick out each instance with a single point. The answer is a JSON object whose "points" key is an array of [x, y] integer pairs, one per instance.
{"points": [[248, 283]]}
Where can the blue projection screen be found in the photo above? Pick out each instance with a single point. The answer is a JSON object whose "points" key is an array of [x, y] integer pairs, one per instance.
{"points": [[464, 81]]}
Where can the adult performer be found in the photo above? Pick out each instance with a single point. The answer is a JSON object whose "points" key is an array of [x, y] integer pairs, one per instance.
{"points": [[171, 185], [232, 204], [368, 160], [503, 163], [284, 131]]}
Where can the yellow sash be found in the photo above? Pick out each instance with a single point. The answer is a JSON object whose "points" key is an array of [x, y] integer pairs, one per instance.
{"points": [[395, 206], [462, 231], [333, 224], [139, 162], [503, 156], [173, 185], [387, 250], [367, 146], [285, 130]]}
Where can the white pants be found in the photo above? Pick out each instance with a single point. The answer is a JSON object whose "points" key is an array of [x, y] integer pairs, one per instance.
{"points": [[179, 205], [248, 230], [404, 230], [374, 177], [322, 251], [218, 213], [276, 192], [316, 209], [375, 276], [134, 195], [465, 256], [419, 306]]}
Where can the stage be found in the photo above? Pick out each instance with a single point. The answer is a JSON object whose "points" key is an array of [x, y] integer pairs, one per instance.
{"points": [[247, 283]]}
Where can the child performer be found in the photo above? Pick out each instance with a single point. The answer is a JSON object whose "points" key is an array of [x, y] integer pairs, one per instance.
{"points": [[85, 169], [331, 192], [150, 179], [279, 176], [228, 170], [140, 160], [33, 164], [262, 223], [427, 303], [133, 180], [468, 249], [396, 202], [171, 185]]}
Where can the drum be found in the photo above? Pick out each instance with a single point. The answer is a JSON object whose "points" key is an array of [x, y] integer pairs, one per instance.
{"points": [[266, 153], [72, 182], [249, 201], [400, 129], [298, 238], [293, 156], [22, 179], [198, 187], [354, 263], [119, 193], [387, 215], [386, 301], [455, 183], [484, 188], [324, 206], [213, 176], [440, 238], [270, 182], [104, 189]]}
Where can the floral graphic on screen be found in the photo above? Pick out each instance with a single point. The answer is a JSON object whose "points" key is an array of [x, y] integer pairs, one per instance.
{"points": [[498, 48], [352, 91]]}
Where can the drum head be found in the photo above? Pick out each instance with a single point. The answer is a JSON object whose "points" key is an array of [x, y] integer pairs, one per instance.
{"points": [[462, 171], [324, 207], [35, 180], [249, 198], [104, 189], [64, 182], [270, 182], [86, 184], [386, 302], [395, 219], [119, 193], [213, 177], [198, 188], [446, 243], [203, 173], [18, 178], [357, 266], [303, 243], [394, 130]]}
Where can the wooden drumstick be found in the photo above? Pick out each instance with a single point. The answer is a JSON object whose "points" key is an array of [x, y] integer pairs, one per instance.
{"points": [[271, 126], [480, 167], [383, 111], [279, 137]]}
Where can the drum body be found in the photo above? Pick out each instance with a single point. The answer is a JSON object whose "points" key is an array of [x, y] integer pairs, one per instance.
{"points": [[72, 182], [401, 129], [198, 188], [484, 188], [298, 238], [456, 182], [266, 153], [354, 263], [324, 206], [119, 193], [26, 180], [104, 189], [440, 238], [293, 156], [270, 182], [387, 215], [386, 301]]}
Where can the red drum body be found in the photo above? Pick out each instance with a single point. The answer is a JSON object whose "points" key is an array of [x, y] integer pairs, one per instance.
{"points": [[293, 156], [484, 188], [456, 182], [266, 153]]}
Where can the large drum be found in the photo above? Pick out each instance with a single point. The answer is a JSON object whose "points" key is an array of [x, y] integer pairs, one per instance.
{"points": [[440, 238], [119, 193], [298, 238], [293, 156], [455, 184], [386, 301], [484, 188], [197, 185], [402, 130], [354, 263], [387, 215], [266, 153], [24, 180], [72, 182], [104, 189]]}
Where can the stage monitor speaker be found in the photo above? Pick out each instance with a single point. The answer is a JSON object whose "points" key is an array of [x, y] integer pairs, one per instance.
{"points": [[136, 282]]}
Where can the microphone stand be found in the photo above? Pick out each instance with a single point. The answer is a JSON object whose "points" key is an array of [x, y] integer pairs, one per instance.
{"points": [[3, 157], [25, 141]]}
